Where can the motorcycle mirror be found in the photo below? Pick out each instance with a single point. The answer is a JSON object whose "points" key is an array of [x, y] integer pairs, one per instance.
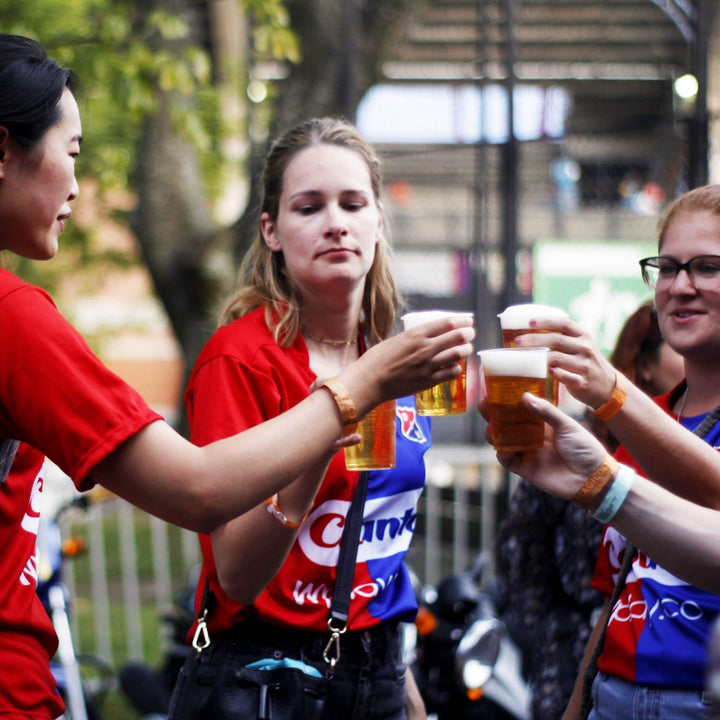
{"points": [[477, 652], [457, 595]]}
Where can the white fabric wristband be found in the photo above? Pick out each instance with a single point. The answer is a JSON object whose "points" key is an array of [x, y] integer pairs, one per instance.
{"points": [[616, 494]]}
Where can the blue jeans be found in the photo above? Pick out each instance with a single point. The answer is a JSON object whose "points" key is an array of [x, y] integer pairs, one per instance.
{"points": [[615, 699], [369, 678]]}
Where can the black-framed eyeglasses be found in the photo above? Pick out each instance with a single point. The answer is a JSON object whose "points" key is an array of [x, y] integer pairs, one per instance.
{"points": [[703, 270]]}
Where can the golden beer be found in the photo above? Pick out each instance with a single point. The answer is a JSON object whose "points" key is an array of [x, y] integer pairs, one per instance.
{"points": [[446, 398], [510, 372], [512, 426], [515, 320], [377, 448]]}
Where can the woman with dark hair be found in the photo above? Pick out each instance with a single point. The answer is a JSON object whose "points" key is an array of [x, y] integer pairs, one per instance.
{"points": [[316, 294], [61, 402], [643, 356]]}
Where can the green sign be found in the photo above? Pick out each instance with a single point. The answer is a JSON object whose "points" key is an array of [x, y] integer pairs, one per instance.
{"points": [[597, 283]]}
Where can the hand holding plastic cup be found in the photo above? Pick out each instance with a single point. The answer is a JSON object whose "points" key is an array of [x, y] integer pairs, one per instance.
{"points": [[515, 320], [377, 448], [510, 372], [449, 397]]}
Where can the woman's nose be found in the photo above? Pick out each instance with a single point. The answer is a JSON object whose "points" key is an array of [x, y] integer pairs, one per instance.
{"points": [[74, 190], [336, 226], [682, 282]]}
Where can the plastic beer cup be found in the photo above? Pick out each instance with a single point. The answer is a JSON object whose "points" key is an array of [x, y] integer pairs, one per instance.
{"points": [[510, 372], [449, 397], [377, 448], [515, 320]]}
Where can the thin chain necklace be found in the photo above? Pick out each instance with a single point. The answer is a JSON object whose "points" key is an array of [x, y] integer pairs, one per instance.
{"points": [[330, 341], [682, 404]]}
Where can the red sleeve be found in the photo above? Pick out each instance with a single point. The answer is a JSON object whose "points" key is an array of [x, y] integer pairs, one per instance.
{"points": [[55, 394], [226, 397]]}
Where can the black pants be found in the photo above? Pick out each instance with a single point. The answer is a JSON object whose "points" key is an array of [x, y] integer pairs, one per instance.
{"points": [[368, 682]]}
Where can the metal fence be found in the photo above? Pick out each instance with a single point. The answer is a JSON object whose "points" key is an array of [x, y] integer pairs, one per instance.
{"points": [[135, 564]]}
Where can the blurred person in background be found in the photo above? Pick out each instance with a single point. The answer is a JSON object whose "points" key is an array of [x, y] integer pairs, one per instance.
{"points": [[547, 547], [645, 359]]}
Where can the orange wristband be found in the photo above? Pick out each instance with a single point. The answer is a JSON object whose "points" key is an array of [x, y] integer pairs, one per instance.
{"points": [[345, 404], [613, 405], [271, 505], [588, 494]]}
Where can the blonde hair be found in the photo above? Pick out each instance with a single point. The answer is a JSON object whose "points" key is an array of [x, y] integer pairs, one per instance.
{"points": [[264, 280], [705, 198]]}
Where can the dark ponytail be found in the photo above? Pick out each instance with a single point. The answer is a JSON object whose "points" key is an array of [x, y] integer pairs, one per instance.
{"points": [[31, 85]]}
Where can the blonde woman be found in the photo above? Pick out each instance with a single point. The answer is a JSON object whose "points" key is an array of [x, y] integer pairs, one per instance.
{"points": [[317, 293]]}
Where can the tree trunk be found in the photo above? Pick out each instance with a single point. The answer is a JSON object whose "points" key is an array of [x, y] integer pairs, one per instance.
{"points": [[341, 42]]}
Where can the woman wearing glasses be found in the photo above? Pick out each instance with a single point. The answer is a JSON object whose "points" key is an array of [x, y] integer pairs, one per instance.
{"points": [[654, 653]]}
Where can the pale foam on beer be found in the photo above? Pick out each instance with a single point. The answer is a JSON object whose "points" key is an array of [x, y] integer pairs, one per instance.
{"points": [[517, 317], [515, 362], [413, 319]]}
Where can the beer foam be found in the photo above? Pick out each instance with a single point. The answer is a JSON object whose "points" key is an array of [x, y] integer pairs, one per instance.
{"points": [[517, 317], [518, 362], [413, 319]]}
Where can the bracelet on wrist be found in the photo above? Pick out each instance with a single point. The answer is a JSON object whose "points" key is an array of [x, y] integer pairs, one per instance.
{"points": [[345, 404], [616, 495], [615, 402], [588, 495], [271, 505]]}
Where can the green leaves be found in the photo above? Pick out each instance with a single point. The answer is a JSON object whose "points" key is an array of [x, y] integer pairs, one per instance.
{"points": [[273, 36]]}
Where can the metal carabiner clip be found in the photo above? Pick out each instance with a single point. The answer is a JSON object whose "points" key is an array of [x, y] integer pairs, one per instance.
{"points": [[334, 641], [201, 638]]}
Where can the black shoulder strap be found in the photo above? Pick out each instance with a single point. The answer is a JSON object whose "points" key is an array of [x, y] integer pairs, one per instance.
{"points": [[340, 607], [710, 419], [708, 423]]}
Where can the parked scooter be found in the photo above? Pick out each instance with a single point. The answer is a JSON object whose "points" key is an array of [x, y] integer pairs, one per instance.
{"points": [[465, 663], [82, 680]]}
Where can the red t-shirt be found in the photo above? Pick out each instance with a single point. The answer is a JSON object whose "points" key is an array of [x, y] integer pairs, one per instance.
{"points": [[61, 402], [242, 378]]}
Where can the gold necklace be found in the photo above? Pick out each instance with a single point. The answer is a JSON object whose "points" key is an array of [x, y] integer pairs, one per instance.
{"points": [[682, 404], [330, 341]]}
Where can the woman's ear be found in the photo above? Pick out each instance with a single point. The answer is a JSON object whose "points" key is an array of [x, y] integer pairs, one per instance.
{"points": [[380, 234], [268, 230]]}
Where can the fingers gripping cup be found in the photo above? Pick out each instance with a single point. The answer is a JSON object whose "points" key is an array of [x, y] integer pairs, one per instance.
{"points": [[377, 449], [510, 372], [449, 397], [515, 320]]}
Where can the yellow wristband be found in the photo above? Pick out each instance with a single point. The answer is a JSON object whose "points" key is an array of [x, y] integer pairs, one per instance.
{"points": [[587, 496], [345, 404], [271, 505], [608, 409]]}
